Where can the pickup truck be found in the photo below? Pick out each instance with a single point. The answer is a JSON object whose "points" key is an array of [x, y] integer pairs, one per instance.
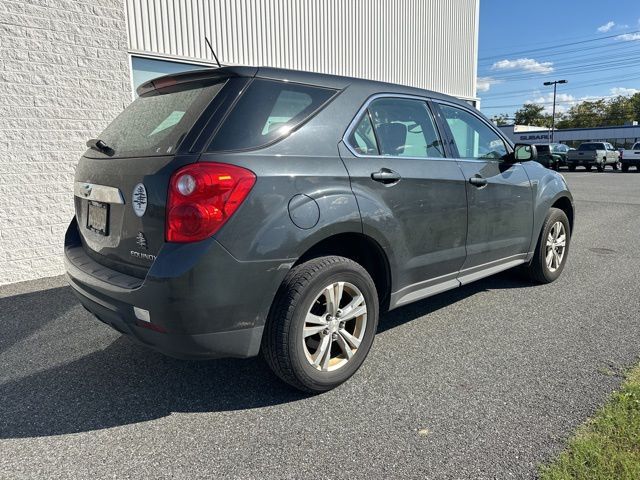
{"points": [[631, 158], [589, 154]]}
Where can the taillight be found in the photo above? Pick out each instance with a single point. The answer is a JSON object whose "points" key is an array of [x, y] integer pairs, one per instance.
{"points": [[202, 197]]}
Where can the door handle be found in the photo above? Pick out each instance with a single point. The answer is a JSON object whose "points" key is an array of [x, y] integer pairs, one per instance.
{"points": [[386, 176], [478, 181]]}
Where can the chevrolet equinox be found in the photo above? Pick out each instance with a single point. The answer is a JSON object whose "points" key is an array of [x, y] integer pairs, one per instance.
{"points": [[240, 210]]}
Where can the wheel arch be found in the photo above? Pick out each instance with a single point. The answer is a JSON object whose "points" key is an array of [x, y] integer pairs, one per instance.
{"points": [[362, 249], [564, 203]]}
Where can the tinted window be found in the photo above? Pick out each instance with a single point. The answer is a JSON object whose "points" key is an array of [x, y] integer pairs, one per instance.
{"points": [[267, 111], [155, 122], [473, 137], [542, 148], [363, 140], [405, 128], [591, 146]]}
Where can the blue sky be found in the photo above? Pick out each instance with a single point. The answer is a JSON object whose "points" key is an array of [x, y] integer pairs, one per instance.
{"points": [[523, 44]]}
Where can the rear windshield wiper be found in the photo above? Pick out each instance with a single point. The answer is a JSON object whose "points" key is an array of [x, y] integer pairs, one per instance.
{"points": [[100, 146]]}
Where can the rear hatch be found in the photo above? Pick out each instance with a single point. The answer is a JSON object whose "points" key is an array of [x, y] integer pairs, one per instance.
{"points": [[121, 182]]}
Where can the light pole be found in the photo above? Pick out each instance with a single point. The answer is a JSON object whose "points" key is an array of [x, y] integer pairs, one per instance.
{"points": [[553, 115]]}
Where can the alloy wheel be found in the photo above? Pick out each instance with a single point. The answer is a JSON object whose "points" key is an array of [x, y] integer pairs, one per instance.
{"points": [[334, 326], [556, 246]]}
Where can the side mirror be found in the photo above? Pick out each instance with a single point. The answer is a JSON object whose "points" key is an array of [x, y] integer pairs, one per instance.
{"points": [[524, 152]]}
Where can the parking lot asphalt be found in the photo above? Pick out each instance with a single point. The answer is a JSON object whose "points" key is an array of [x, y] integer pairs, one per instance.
{"points": [[486, 381]]}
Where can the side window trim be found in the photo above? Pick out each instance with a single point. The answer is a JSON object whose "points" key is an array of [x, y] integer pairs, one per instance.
{"points": [[365, 108], [451, 141], [367, 112], [450, 149]]}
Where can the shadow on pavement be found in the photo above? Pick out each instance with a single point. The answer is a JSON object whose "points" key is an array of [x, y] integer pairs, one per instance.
{"points": [[21, 315], [125, 383]]}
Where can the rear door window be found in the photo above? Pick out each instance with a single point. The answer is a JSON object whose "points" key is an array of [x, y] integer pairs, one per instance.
{"points": [[156, 122], [405, 128], [268, 111]]}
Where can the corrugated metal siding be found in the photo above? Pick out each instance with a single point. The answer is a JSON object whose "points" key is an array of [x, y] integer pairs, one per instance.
{"points": [[424, 43]]}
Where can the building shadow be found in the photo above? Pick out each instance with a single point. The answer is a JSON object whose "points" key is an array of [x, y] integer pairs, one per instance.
{"points": [[22, 315], [125, 383]]}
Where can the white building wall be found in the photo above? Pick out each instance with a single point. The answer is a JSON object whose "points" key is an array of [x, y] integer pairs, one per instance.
{"points": [[64, 75], [423, 43]]}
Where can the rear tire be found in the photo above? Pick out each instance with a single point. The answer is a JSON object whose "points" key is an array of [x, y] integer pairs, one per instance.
{"points": [[625, 168], [616, 166], [587, 168], [572, 168], [546, 266], [304, 304]]}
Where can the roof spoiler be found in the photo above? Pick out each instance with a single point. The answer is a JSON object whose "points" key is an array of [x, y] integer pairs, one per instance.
{"points": [[194, 75]]}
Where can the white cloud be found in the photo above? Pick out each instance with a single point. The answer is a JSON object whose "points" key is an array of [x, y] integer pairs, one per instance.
{"points": [[526, 64], [563, 102], [485, 83], [606, 27], [628, 37], [623, 91]]}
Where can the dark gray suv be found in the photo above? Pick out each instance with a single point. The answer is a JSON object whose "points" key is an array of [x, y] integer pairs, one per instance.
{"points": [[233, 211]]}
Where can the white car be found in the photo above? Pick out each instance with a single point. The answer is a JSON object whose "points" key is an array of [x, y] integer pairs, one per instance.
{"points": [[631, 157]]}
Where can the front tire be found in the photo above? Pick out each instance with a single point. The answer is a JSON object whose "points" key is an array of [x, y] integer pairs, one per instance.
{"points": [[552, 249], [625, 168], [587, 168], [322, 323]]}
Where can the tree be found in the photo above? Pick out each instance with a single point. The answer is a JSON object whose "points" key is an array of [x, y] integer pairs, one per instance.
{"points": [[634, 107], [532, 114], [618, 110], [587, 114], [501, 119]]}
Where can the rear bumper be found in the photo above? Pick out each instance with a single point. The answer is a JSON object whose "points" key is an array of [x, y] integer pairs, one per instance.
{"points": [[235, 343], [201, 301], [585, 161], [634, 162]]}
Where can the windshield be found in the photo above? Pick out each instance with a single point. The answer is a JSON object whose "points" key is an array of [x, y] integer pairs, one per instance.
{"points": [[156, 122], [591, 147]]}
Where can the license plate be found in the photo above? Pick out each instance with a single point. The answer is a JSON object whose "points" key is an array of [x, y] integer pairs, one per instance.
{"points": [[98, 217]]}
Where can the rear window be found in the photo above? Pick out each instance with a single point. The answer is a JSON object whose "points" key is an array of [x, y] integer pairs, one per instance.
{"points": [[156, 122], [591, 146], [266, 112], [542, 148]]}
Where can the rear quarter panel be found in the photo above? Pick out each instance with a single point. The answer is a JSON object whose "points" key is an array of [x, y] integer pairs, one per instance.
{"points": [[307, 163]]}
